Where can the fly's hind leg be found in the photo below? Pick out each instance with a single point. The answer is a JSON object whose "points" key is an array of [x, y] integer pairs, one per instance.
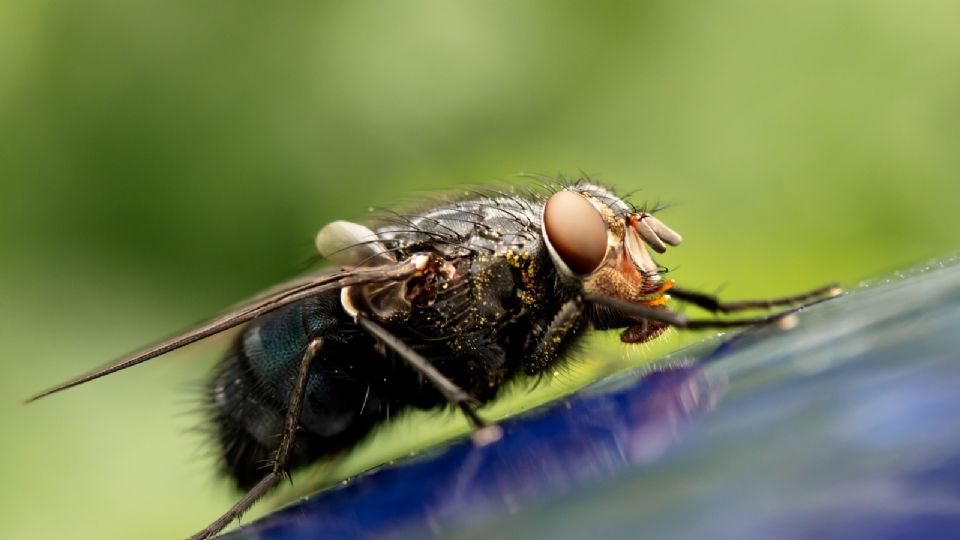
{"points": [[282, 457], [456, 396]]}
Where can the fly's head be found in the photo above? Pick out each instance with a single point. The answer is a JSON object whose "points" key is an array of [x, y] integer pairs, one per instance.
{"points": [[600, 241]]}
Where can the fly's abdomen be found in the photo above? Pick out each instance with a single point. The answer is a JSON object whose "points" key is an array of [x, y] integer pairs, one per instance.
{"points": [[251, 387]]}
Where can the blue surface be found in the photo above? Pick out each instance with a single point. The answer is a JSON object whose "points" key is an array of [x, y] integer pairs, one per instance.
{"points": [[845, 426]]}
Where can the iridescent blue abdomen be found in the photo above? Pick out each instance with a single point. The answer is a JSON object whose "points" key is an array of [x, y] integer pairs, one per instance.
{"points": [[251, 387]]}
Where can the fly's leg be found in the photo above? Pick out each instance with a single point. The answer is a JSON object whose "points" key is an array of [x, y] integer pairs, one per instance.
{"points": [[563, 322], [282, 457], [712, 303], [455, 395], [680, 320]]}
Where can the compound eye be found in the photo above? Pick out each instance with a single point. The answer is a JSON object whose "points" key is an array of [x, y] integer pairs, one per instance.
{"points": [[575, 231]]}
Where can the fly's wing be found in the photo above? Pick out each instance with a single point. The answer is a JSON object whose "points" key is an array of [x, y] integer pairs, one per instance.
{"points": [[291, 292]]}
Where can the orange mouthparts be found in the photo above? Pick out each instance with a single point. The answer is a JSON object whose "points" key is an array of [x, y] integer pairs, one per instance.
{"points": [[657, 296]]}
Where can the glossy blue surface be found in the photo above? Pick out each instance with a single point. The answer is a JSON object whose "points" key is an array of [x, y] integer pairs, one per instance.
{"points": [[844, 427]]}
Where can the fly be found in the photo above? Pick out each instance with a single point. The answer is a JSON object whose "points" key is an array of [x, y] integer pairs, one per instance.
{"points": [[423, 311]]}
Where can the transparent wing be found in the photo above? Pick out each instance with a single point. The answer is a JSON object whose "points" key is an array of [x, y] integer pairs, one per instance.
{"points": [[285, 294]]}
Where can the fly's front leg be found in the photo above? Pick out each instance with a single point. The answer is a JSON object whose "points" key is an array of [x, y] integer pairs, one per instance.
{"points": [[548, 344], [456, 396], [714, 304], [282, 457], [679, 320], [565, 321]]}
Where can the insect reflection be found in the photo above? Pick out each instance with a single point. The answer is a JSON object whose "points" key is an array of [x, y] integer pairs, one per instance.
{"points": [[427, 310]]}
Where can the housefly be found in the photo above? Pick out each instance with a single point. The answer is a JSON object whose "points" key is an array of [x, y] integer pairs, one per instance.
{"points": [[438, 308]]}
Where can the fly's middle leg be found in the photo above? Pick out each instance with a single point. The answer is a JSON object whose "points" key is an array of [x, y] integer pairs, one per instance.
{"points": [[549, 343], [456, 396]]}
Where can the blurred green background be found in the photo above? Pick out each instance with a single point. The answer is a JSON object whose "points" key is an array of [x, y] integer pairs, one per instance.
{"points": [[161, 160]]}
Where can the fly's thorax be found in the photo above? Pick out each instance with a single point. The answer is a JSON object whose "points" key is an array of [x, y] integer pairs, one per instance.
{"points": [[467, 228], [490, 244]]}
